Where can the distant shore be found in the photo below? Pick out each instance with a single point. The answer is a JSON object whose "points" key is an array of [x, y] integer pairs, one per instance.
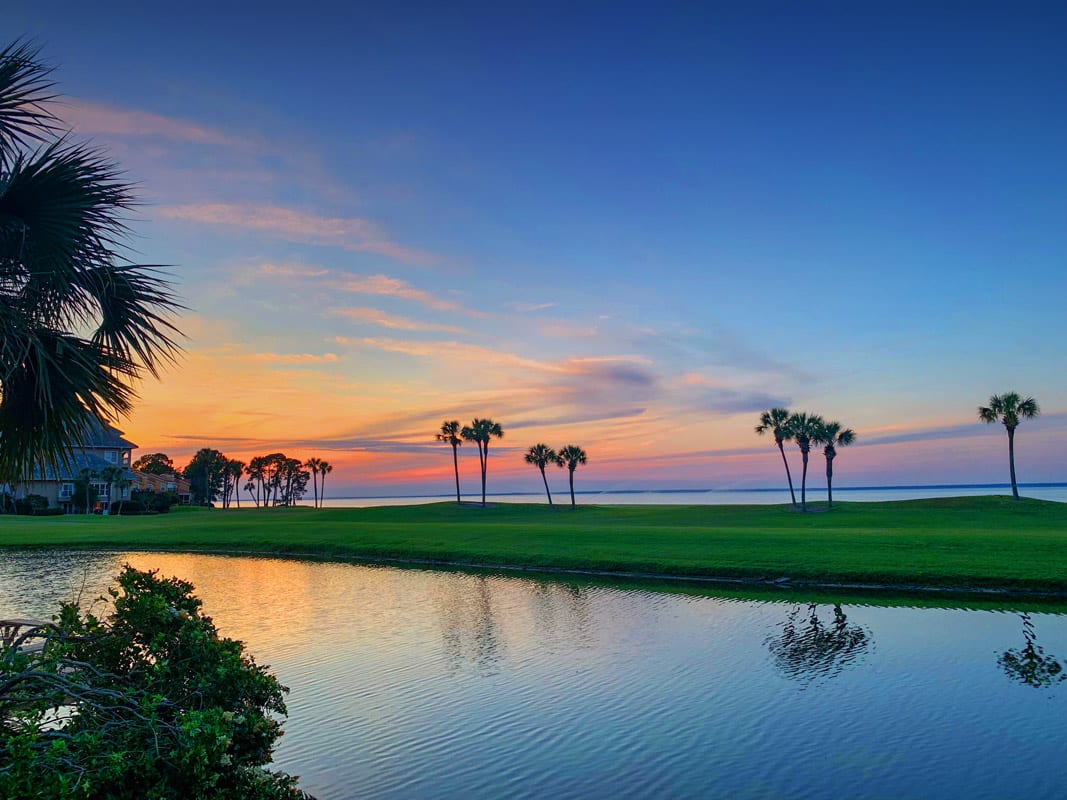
{"points": [[986, 544]]}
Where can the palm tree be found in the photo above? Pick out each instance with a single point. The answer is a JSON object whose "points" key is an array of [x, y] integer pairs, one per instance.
{"points": [[481, 431], [122, 483], [542, 455], [109, 475], [325, 468], [832, 436], [572, 455], [235, 470], [79, 324], [803, 428], [777, 422], [1009, 408], [313, 464], [450, 432], [88, 475]]}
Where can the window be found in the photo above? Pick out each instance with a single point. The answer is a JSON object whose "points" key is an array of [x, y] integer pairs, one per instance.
{"points": [[66, 491], [112, 456]]}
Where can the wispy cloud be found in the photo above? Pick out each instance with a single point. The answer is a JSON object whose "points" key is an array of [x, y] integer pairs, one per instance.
{"points": [[385, 286], [294, 358], [349, 233], [96, 119], [375, 316], [529, 308]]}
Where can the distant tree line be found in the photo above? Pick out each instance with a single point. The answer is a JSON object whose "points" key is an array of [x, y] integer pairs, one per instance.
{"points": [[269, 481]]}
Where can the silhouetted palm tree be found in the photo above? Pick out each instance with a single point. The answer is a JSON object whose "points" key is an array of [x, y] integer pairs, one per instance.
{"points": [[450, 432], [1010, 409], [313, 465], [235, 469], [481, 431], [572, 455], [777, 422], [832, 436], [542, 455], [78, 322], [802, 429], [325, 468]]}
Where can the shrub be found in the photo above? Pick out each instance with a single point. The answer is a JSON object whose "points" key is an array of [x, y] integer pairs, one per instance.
{"points": [[127, 508], [165, 707], [31, 504]]}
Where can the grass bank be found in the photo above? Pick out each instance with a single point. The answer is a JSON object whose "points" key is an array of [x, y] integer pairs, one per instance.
{"points": [[965, 542]]}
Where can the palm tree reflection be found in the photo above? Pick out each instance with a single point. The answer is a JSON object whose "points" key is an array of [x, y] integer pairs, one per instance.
{"points": [[809, 649], [1030, 666]]}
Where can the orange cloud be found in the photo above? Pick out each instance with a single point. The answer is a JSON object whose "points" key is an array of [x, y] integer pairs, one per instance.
{"points": [[294, 358], [384, 286]]}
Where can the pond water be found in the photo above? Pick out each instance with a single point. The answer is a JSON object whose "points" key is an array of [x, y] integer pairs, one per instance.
{"points": [[414, 683]]}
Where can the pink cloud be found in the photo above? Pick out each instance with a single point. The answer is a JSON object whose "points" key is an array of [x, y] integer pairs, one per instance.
{"points": [[94, 118], [376, 316], [384, 286], [350, 233]]}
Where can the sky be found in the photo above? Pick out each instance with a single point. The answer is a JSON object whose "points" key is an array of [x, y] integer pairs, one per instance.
{"points": [[630, 227]]}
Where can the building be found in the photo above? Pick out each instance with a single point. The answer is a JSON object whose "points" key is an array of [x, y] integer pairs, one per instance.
{"points": [[150, 482], [103, 447]]}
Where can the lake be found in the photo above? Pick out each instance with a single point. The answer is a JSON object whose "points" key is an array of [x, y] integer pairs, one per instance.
{"points": [[414, 683]]}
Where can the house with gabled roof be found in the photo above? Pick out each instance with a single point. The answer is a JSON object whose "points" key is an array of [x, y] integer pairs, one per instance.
{"points": [[103, 446]]}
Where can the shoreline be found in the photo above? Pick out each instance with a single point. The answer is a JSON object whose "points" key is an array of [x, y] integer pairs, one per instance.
{"points": [[985, 546]]}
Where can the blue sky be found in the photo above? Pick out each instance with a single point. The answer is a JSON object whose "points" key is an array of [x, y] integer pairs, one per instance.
{"points": [[618, 224]]}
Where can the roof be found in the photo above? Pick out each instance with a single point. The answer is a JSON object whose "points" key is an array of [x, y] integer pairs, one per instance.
{"points": [[106, 437], [79, 460]]}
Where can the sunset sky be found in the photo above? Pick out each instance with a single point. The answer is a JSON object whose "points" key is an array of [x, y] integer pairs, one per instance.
{"points": [[614, 225]]}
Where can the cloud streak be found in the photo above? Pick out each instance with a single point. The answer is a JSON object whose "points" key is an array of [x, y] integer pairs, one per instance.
{"points": [[349, 233]]}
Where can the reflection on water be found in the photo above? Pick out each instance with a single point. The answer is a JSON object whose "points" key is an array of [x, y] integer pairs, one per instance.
{"points": [[1030, 666], [809, 649], [412, 683]]}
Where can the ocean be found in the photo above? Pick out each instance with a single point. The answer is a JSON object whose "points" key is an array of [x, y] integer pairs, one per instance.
{"points": [[865, 494]]}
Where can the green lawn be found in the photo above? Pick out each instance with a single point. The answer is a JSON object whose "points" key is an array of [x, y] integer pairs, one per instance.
{"points": [[991, 542]]}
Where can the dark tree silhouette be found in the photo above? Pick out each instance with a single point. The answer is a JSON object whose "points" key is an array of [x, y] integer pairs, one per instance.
{"points": [[776, 421], [313, 464], [480, 431], [572, 455], [831, 435], [1010, 409], [802, 429], [79, 323], [155, 464], [541, 455], [450, 432]]}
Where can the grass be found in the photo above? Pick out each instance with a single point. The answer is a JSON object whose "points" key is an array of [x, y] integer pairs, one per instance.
{"points": [[964, 542]]}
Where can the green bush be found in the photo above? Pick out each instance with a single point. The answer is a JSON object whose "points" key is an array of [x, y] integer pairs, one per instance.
{"points": [[165, 707], [127, 508], [31, 504]]}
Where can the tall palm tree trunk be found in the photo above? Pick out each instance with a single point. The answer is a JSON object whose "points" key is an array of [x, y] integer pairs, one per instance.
{"points": [[315, 486], [804, 483], [545, 479], [572, 488], [455, 465], [485, 463], [788, 476], [829, 482], [1011, 462]]}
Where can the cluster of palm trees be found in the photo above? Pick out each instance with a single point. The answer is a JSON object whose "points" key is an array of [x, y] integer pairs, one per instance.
{"points": [[480, 431], [570, 456], [806, 430], [318, 468]]}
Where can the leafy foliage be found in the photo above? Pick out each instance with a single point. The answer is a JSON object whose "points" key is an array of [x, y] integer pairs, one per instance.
{"points": [[155, 464], [78, 322], [206, 473], [149, 702]]}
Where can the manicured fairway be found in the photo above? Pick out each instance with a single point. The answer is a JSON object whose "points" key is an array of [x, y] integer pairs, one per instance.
{"points": [[990, 542]]}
